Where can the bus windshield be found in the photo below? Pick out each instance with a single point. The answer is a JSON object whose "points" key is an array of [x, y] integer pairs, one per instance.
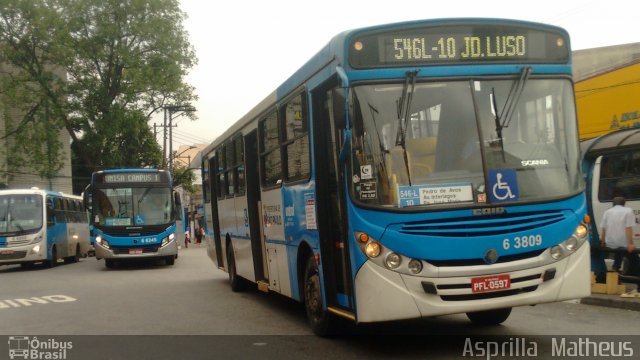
{"points": [[466, 142], [132, 206], [20, 213]]}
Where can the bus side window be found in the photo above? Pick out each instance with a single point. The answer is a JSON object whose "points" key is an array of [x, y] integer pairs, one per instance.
{"points": [[50, 212]]}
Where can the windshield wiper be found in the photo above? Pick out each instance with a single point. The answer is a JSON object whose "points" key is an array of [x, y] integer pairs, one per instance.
{"points": [[404, 107], [503, 119]]}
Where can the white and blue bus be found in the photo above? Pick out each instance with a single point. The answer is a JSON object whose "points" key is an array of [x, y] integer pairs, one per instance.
{"points": [[409, 170], [42, 226], [611, 163], [134, 214]]}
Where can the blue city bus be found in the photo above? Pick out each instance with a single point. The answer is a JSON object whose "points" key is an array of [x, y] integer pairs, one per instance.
{"points": [[134, 214], [40, 226], [405, 171]]}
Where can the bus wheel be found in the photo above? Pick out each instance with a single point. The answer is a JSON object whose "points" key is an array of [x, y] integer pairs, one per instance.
{"points": [[170, 260], [109, 263], [234, 280], [75, 258], [489, 317], [321, 322], [54, 258]]}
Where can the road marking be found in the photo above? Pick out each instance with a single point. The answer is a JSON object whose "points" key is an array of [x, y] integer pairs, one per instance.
{"points": [[47, 299]]}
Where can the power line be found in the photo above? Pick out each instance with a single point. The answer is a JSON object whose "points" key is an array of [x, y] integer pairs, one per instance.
{"points": [[592, 91]]}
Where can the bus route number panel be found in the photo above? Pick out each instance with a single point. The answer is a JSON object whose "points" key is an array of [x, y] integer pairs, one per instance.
{"points": [[490, 283], [456, 45]]}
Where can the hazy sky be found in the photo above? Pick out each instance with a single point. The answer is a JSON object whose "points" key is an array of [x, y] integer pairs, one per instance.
{"points": [[246, 49]]}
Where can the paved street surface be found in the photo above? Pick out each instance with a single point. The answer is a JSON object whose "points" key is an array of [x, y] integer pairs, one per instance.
{"points": [[192, 299]]}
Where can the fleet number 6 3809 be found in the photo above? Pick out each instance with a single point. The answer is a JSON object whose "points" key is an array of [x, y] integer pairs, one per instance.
{"points": [[521, 242]]}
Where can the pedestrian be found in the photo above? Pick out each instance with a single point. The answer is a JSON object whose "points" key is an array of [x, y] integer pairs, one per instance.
{"points": [[617, 233], [201, 230], [186, 239], [198, 235]]}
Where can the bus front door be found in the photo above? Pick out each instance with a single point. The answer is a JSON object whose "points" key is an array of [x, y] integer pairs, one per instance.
{"points": [[253, 207], [215, 220], [328, 110]]}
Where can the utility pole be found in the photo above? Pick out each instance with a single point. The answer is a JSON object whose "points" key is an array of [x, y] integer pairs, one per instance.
{"points": [[169, 111]]}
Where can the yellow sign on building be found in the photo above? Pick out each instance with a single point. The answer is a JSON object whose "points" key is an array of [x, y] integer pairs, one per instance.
{"points": [[609, 101]]}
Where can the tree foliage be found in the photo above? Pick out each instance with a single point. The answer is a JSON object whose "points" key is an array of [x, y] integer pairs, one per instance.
{"points": [[97, 68], [183, 176]]}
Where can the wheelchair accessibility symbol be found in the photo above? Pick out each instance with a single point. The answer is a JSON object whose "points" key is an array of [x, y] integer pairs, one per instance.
{"points": [[504, 185]]}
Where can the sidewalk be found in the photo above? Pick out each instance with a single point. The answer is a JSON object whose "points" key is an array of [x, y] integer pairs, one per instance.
{"points": [[614, 301]]}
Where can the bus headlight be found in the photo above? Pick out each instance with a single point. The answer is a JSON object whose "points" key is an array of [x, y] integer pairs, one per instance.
{"points": [[168, 239], [581, 232], [35, 249], [373, 249], [392, 260], [36, 240], [415, 266], [387, 258], [102, 242], [571, 243]]}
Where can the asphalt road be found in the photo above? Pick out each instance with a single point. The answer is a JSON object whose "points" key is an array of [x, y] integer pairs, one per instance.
{"points": [[190, 301]]}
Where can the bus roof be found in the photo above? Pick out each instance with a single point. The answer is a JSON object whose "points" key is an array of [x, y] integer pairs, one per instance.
{"points": [[613, 142], [34, 190]]}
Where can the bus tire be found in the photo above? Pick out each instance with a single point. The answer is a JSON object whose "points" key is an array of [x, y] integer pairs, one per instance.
{"points": [[110, 263], [321, 322], [236, 282], [51, 263], [170, 260], [489, 317], [75, 258]]}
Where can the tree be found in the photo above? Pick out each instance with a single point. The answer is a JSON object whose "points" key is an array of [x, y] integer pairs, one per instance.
{"points": [[183, 176], [123, 61]]}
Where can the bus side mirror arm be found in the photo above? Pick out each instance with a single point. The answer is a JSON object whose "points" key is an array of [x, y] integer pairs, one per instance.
{"points": [[86, 197], [346, 145]]}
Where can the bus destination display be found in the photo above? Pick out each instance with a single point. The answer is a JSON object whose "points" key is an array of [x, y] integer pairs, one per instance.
{"points": [[457, 44], [138, 177]]}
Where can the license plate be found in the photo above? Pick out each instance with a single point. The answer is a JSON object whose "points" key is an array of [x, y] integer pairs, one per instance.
{"points": [[6, 252], [135, 251], [490, 283]]}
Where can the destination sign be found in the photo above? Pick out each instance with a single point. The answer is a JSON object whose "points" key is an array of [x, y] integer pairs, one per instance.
{"points": [[455, 44], [131, 178]]}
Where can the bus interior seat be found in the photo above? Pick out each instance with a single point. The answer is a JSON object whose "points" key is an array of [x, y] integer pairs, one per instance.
{"points": [[421, 153]]}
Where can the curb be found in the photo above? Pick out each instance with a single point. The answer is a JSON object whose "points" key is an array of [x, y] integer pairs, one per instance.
{"points": [[612, 302]]}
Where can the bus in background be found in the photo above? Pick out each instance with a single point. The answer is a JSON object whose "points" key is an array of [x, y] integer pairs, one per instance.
{"points": [[405, 171], [134, 214], [42, 226], [611, 163]]}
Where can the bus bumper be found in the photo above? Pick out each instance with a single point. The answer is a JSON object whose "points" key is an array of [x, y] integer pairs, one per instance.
{"points": [[136, 252], [23, 254], [383, 295]]}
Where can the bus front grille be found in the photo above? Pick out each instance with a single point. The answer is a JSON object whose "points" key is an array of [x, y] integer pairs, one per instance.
{"points": [[479, 261], [488, 295], [13, 256], [482, 226], [135, 230], [125, 250]]}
